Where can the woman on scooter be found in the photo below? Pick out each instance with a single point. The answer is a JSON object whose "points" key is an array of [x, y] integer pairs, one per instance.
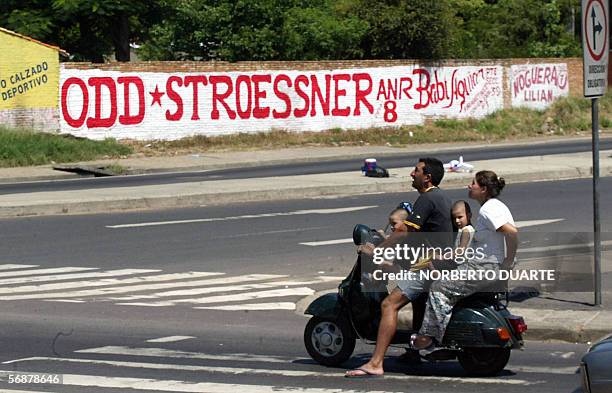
{"points": [[495, 233]]}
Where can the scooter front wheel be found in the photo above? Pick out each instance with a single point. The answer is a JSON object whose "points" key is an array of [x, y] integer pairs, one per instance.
{"points": [[484, 362], [329, 341]]}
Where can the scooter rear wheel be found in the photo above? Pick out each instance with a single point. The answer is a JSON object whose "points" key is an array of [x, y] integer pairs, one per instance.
{"points": [[329, 341], [484, 362]]}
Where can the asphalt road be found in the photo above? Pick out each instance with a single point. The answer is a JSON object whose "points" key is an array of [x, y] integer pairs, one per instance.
{"points": [[299, 168], [81, 295], [262, 236], [230, 352]]}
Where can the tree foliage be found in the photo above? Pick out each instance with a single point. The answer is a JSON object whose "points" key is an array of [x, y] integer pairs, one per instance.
{"points": [[236, 30]]}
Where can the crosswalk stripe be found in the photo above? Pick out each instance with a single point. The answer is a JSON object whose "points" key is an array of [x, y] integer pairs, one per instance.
{"points": [[171, 353], [135, 280], [104, 291], [253, 307], [260, 371], [14, 266], [22, 391], [169, 339], [183, 386], [228, 288], [61, 277], [34, 272], [302, 291], [224, 280]]}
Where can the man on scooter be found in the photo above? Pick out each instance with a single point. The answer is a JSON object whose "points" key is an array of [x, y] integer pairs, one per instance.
{"points": [[431, 214]]}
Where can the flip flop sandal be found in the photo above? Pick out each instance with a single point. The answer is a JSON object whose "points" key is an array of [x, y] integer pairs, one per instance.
{"points": [[366, 374]]}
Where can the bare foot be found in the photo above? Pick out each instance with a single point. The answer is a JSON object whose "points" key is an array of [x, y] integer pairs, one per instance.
{"points": [[365, 371]]}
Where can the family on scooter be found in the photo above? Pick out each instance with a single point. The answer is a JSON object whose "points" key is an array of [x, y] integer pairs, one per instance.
{"points": [[479, 331]]}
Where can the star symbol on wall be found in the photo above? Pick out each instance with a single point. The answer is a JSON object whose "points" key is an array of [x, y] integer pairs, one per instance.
{"points": [[157, 95]]}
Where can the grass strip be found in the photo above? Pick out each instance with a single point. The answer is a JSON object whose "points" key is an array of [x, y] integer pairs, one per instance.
{"points": [[23, 147]]}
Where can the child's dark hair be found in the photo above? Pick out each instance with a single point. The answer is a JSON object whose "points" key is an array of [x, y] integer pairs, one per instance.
{"points": [[468, 211]]}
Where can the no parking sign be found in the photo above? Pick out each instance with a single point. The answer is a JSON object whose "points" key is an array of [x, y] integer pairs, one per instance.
{"points": [[595, 45]]}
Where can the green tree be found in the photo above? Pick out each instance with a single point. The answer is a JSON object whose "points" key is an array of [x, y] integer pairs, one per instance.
{"points": [[325, 32], [405, 29], [88, 29], [230, 30], [518, 28]]}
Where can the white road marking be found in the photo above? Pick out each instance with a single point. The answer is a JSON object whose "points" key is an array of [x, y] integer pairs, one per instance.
{"points": [[543, 370], [13, 266], [60, 277], [243, 217], [302, 291], [169, 353], [260, 371], [533, 223], [104, 291], [289, 230], [35, 272], [140, 280], [169, 339], [64, 300], [562, 247], [197, 291], [227, 288], [22, 391], [183, 386], [327, 242], [253, 307], [519, 224]]}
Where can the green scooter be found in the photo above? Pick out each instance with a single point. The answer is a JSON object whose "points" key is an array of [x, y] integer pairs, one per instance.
{"points": [[481, 333]]}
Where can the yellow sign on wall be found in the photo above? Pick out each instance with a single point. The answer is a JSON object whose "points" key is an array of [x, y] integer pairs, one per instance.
{"points": [[29, 73]]}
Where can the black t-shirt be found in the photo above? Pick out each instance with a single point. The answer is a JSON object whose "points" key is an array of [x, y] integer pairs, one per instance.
{"points": [[432, 213]]}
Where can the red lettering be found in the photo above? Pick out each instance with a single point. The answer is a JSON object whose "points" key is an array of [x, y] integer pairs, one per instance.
{"points": [[195, 115], [216, 97], [382, 91], [243, 114], [539, 81], [547, 75], [405, 90], [301, 79], [361, 95], [126, 119], [98, 120], [174, 96], [72, 122], [260, 112], [315, 91], [338, 92], [422, 88], [283, 96]]}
